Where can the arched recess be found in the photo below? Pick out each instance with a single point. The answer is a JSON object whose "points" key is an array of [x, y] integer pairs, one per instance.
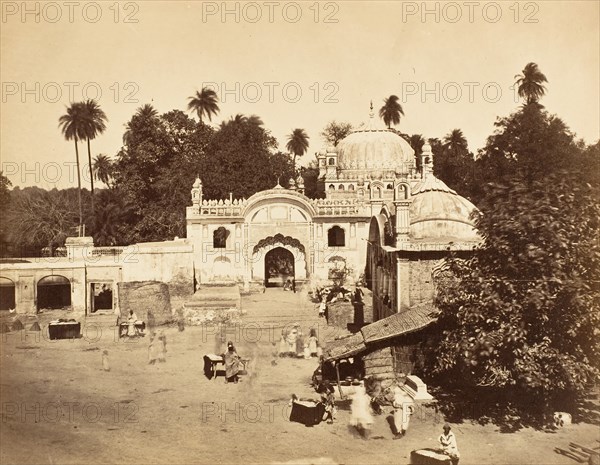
{"points": [[336, 237], [264, 246], [53, 292], [279, 266], [7, 294]]}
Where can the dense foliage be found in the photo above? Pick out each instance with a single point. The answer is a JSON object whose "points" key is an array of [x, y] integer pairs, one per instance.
{"points": [[524, 313]]}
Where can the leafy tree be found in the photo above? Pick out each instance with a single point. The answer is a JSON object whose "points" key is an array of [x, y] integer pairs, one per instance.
{"points": [[73, 127], [453, 163], [38, 218], [521, 316], [5, 185], [334, 132], [310, 175], [530, 83], [156, 169], [94, 124], [297, 143], [530, 143], [524, 313], [204, 103], [391, 111], [240, 159]]}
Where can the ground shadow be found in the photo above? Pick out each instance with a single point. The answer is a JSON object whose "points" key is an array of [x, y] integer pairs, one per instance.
{"points": [[509, 410]]}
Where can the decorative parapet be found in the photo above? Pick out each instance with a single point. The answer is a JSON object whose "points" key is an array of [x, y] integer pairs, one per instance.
{"points": [[340, 207], [322, 207], [218, 208]]}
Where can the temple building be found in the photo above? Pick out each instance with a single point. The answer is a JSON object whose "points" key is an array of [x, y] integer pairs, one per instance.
{"points": [[381, 219]]}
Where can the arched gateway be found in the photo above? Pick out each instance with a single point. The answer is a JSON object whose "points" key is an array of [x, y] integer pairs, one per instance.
{"points": [[278, 258]]}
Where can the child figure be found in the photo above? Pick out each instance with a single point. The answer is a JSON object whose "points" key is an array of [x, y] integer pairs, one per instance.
{"points": [[105, 365], [313, 343], [328, 398]]}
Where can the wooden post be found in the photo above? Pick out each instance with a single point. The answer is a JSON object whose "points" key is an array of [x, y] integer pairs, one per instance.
{"points": [[337, 375]]}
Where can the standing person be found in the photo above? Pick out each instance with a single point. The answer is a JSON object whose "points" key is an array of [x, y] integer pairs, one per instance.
{"points": [[403, 409], [294, 285], [448, 442], [232, 363], [322, 307]]}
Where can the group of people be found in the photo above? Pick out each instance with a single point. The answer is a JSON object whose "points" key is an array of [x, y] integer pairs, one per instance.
{"points": [[361, 417], [293, 344]]}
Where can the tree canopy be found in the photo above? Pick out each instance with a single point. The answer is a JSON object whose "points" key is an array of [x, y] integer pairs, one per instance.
{"points": [[522, 314]]}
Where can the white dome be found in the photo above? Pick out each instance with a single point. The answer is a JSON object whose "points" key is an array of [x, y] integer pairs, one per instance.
{"points": [[373, 150], [438, 212]]}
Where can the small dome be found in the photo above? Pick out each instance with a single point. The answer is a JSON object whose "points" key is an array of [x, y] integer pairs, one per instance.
{"points": [[438, 212], [197, 183], [375, 150]]}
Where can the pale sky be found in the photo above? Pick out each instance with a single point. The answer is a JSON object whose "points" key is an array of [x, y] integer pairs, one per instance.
{"points": [[451, 64]]}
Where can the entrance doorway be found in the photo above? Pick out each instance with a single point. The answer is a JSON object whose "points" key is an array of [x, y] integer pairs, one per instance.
{"points": [[101, 297], [279, 267], [53, 292], [7, 294]]}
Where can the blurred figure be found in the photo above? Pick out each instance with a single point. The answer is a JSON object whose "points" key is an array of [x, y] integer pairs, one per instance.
{"points": [[403, 409], [360, 412], [162, 346], [105, 365]]}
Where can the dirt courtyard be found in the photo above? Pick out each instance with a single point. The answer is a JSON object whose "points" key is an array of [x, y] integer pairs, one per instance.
{"points": [[59, 406]]}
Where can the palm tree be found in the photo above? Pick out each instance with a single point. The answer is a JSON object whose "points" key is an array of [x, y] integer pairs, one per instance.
{"points": [[94, 124], [297, 143], [103, 168], [417, 142], [391, 110], [456, 142], [530, 83], [243, 119], [204, 103], [72, 125]]}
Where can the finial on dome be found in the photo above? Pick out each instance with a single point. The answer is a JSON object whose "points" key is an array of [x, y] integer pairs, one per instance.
{"points": [[371, 124]]}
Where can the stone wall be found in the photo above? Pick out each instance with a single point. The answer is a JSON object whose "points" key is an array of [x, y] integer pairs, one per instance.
{"points": [[144, 296], [379, 365], [170, 262]]}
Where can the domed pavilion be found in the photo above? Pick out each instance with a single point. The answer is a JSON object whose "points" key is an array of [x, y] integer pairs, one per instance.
{"points": [[380, 216]]}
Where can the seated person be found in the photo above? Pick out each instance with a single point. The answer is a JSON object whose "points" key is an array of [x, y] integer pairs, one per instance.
{"points": [[232, 363]]}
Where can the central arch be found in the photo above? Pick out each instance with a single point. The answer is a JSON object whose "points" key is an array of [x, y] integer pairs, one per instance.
{"points": [[279, 266], [288, 249]]}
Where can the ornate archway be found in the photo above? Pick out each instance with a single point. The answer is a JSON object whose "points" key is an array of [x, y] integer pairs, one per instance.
{"points": [[284, 249]]}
